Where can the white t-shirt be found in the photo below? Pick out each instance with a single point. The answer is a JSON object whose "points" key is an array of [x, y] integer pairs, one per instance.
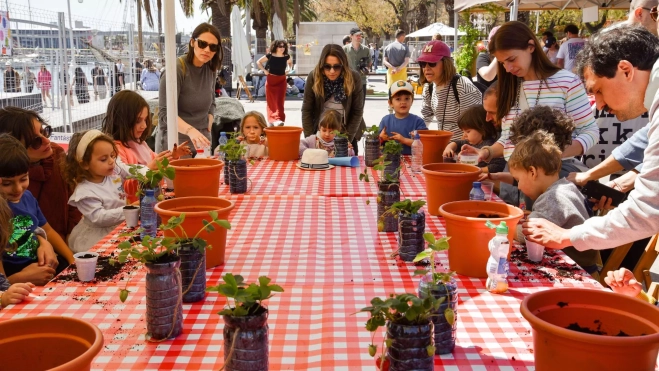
{"points": [[569, 50]]}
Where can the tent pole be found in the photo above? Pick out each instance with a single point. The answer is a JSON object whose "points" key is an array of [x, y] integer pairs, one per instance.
{"points": [[170, 73], [455, 36]]}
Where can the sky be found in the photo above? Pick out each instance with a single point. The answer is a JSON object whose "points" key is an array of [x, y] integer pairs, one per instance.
{"points": [[97, 11]]}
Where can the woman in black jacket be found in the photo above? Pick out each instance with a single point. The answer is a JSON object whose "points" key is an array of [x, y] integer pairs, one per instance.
{"points": [[333, 85]]}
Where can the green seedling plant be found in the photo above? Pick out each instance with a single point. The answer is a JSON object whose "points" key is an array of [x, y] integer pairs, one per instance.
{"points": [[152, 178], [340, 134], [244, 299], [151, 249], [404, 309], [233, 151], [437, 278], [372, 132], [406, 207], [392, 147]]}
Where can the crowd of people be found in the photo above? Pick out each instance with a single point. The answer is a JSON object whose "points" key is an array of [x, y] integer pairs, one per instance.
{"points": [[527, 124]]}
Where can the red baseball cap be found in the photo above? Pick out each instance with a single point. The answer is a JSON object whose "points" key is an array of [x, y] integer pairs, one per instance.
{"points": [[434, 51]]}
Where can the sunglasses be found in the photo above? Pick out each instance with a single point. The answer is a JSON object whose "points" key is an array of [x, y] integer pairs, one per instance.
{"points": [[203, 44], [654, 14], [424, 64], [335, 67], [281, 46], [45, 132]]}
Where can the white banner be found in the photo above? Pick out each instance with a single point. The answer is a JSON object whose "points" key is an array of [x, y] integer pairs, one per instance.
{"points": [[62, 139], [612, 134], [5, 33]]}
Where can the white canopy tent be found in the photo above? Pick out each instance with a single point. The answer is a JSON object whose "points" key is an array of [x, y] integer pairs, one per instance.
{"points": [[524, 5], [435, 28]]}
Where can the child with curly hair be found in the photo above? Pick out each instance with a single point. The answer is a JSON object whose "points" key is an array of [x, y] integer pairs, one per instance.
{"points": [[535, 164]]}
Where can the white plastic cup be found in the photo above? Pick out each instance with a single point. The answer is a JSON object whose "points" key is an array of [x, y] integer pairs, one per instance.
{"points": [[132, 214], [468, 159], [85, 265], [488, 188], [534, 251]]}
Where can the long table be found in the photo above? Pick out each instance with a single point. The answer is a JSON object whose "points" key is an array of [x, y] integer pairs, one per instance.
{"points": [[322, 246]]}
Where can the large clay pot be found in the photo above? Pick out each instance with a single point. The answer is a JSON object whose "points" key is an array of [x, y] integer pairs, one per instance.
{"points": [[447, 183], [249, 351], [410, 235], [49, 343], [193, 272], [444, 331], [164, 305], [434, 142], [197, 177], [555, 347], [469, 236], [340, 146], [196, 210], [371, 150], [388, 194], [283, 142], [408, 349]]}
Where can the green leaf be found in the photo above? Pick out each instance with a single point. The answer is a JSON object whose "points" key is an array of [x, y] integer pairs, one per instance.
{"points": [[429, 237], [422, 255], [224, 224], [230, 279], [420, 272], [276, 288]]}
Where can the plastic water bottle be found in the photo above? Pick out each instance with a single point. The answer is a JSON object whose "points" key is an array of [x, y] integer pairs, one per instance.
{"points": [[417, 153], [223, 141], [497, 263], [201, 152], [477, 193], [148, 217]]}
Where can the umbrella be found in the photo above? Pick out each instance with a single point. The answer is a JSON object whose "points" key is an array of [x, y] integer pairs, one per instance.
{"points": [[240, 54], [277, 28], [435, 28]]}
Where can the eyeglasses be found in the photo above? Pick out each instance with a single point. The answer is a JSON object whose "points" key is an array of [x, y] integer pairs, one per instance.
{"points": [[281, 46], [335, 67], [653, 13], [424, 64], [203, 44]]}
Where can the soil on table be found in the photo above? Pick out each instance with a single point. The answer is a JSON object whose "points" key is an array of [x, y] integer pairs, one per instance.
{"points": [[104, 271], [596, 331], [553, 268]]}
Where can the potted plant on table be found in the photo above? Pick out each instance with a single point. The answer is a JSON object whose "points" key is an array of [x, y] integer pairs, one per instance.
{"points": [[388, 194], [371, 145], [443, 287], [392, 152], [411, 227], [151, 179], [408, 344], [235, 167], [246, 327], [340, 144]]}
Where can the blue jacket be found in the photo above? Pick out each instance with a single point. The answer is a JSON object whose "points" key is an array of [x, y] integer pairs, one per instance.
{"points": [[630, 153], [150, 80]]}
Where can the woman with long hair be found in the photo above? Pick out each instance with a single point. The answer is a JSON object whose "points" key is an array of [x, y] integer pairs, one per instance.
{"points": [[195, 74], [527, 79], [333, 85], [445, 94], [81, 86], [275, 82]]}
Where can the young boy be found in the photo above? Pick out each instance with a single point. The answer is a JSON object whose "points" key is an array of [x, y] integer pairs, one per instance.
{"points": [[16, 293], [535, 164], [31, 258], [399, 125]]}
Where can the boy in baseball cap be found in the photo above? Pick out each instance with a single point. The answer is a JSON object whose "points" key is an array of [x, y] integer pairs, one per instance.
{"points": [[400, 125]]}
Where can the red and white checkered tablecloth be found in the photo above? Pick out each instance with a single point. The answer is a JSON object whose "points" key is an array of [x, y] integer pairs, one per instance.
{"points": [[330, 259], [284, 178]]}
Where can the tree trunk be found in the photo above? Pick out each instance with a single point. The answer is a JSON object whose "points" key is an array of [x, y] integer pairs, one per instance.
{"points": [[448, 4], [140, 46], [223, 23], [260, 25]]}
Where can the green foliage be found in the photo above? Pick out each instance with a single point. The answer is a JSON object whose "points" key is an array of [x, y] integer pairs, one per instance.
{"points": [[372, 132], [340, 134], [437, 278], [392, 147], [406, 207], [466, 55], [247, 299], [233, 150], [152, 178]]}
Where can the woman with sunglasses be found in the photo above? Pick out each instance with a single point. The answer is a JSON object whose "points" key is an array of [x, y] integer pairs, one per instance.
{"points": [[333, 85], [46, 182], [445, 94], [526, 79], [195, 74], [275, 80]]}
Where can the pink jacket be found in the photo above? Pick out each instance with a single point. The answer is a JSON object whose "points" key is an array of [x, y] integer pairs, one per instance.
{"points": [[129, 157]]}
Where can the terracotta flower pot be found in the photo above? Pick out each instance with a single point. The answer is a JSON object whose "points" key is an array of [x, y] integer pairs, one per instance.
{"points": [[283, 142], [61, 343], [197, 177], [196, 210], [434, 142], [555, 347], [447, 183], [469, 236]]}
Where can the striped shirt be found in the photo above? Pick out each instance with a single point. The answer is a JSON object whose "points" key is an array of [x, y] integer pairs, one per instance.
{"points": [[443, 104], [563, 91]]}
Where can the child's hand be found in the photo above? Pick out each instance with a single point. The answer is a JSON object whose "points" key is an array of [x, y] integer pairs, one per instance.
{"points": [[153, 164], [240, 138], [46, 254], [397, 137], [349, 145], [469, 150], [39, 275], [623, 282], [181, 150], [448, 152], [383, 135], [16, 293]]}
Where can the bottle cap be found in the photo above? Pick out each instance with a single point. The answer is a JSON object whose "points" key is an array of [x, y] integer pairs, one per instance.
{"points": [[416, 135], [200, 150], [476, 185], [502, 228], [223, 133], [150, 192]]}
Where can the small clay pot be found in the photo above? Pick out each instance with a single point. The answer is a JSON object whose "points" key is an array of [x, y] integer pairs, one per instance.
{"points": [[408, 346], [197, 176], [388, 194], [164, 309], [392, 169], [434, 142], [340, 146], [249, 348], [237, 176], [193, 272], [447, 183], [444, 335], [371, 150], [283, 142], [410, 235]]}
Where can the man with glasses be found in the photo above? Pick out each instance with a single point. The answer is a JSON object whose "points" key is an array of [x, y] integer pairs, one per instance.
{"points": [[639, 13], [359, 56]]}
